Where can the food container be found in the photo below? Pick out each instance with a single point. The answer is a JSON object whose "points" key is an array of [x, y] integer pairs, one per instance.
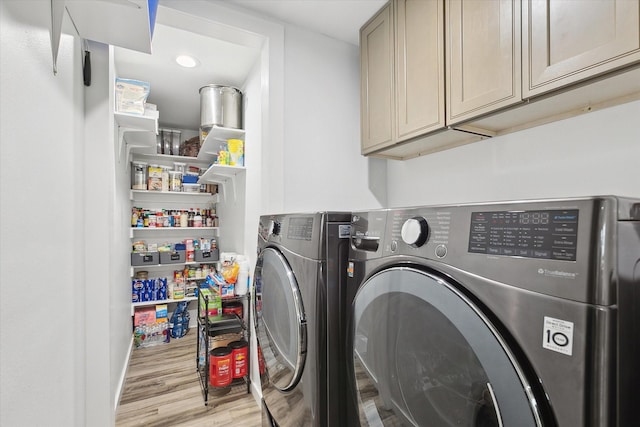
{"points": [[239, 357], [139, 246], [190, 178], [139, 176], [191, 188], [236, 152], [220, 374], [143, 275], [232, 307], [220, 106], [180, 167], [165, 178], [175, 143], [175, 181], [167, 139]]}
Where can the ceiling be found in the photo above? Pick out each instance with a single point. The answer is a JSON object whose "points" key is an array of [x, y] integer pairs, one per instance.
{"points": [[175, 90], [339, 19]]}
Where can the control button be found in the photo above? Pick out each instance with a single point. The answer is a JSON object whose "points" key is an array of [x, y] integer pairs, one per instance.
{"points": [[415, 231], [394, 245], [441, 251]]}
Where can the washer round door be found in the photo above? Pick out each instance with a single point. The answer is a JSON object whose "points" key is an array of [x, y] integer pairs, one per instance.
{"points": [[281, 325], [425, 355]]}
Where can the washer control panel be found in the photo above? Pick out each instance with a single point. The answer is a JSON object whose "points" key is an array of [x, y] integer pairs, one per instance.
{"points": [[419, 231], [546, 234]]}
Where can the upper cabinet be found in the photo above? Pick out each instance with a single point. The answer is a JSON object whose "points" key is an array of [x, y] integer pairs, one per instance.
{"points": [[510, 65], [483, 57], [419, 68], [402, 77], [565, 42], [376, 79]]}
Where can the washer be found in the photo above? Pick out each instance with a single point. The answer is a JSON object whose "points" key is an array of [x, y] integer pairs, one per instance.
{"points": [[300, 281], [498, 314]]}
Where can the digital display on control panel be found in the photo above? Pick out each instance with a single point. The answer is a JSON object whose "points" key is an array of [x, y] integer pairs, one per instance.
{"points": [[300, 228], [548, 234]]}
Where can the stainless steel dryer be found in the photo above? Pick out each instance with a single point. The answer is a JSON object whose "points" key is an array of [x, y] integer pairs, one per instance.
{"points": [[504, 314], [300, 291]]}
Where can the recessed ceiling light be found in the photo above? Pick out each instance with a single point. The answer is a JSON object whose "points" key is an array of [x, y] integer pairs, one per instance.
{"points": [[187, 61]]}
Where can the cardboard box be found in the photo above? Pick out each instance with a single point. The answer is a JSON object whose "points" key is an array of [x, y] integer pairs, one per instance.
{"points": [[162, 313], [144, 316]]}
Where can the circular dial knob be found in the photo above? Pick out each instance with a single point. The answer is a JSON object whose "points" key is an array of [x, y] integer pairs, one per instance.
{"points": [[415, 231]]}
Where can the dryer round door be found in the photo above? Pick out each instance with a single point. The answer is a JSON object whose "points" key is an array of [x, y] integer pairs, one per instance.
{"points": [[281, 324], [425, 355]]}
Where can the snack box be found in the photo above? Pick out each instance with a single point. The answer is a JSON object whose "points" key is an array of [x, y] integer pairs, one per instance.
{"points": [[213, 303]]}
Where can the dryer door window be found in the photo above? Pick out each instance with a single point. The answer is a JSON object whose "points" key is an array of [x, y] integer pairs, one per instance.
{"points": [[424, 355], [281, 324]]}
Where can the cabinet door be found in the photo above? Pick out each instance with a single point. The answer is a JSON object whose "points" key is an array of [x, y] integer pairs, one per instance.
{"points": [[419, 59], [376, 76], [483, 57], [568, 41]]}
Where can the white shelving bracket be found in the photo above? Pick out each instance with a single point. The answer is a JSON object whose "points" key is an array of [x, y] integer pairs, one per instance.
{"points": [[224, 175], [57, 14]]}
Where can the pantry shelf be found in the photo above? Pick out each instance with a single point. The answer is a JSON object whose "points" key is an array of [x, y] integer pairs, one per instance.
{"points": [[146, 195], [163, 301], [215, 137], [161, 266], [222, 174], [137, 132], [159, 230]]}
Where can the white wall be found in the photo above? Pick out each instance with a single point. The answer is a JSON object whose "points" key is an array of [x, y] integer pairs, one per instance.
{"points": [[595, 153], [323, 169], [107, 212], [42, 356]]}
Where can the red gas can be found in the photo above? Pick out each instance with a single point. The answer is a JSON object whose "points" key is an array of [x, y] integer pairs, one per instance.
{"points": [[239, 357], [220, 374]]}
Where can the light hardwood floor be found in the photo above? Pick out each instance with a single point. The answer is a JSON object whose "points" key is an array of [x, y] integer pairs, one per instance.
{"points": [[162, 389]]}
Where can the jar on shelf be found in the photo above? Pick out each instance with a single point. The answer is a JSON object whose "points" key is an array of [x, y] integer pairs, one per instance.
{"points": [[165, 177], [175, 181], [139, 176], [180, 167]]}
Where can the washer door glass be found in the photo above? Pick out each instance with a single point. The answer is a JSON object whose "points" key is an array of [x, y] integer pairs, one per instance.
{"points": [[424, 355], [281, 325]]}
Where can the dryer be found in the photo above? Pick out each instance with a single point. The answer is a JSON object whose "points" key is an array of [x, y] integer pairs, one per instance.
{"points": [[498, 314], [300, 280]]}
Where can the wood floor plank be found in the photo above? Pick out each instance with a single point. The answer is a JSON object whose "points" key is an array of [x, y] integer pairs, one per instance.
{"points": [[162, 389]]}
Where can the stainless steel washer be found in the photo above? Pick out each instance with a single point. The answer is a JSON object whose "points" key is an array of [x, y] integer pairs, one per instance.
{"points": [[500, 314], [300, 291]]}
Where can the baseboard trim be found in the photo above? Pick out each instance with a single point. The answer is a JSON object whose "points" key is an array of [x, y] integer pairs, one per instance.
{"points": [[123, 377]]}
